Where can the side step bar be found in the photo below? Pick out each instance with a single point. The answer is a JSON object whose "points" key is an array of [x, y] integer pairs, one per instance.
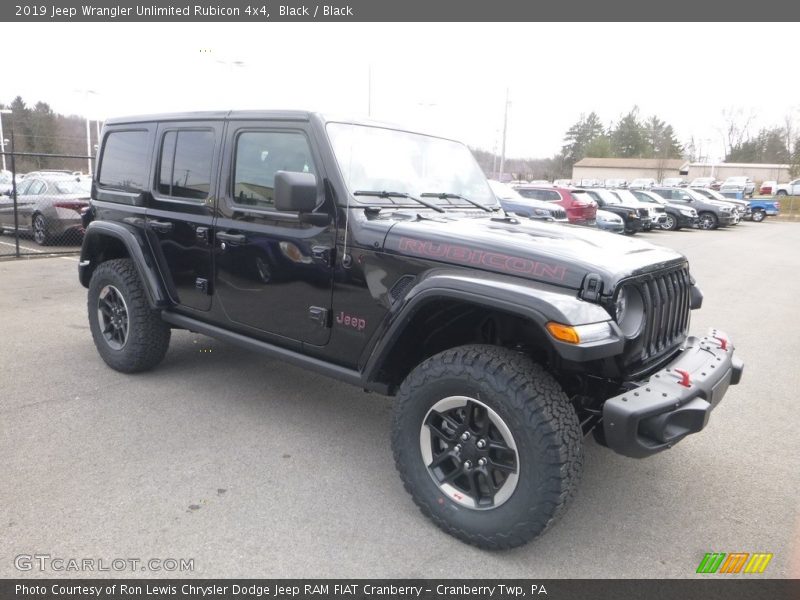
{"points": [[301, 360]]}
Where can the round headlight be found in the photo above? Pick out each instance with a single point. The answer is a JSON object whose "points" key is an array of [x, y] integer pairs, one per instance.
{"points": [[629, 311]]}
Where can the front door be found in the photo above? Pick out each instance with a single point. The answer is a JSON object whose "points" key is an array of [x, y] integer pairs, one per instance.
{"points": [[180, 211], [273, 272]]}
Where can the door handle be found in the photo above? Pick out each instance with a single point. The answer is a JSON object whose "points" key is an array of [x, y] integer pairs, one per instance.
{"points": [[233, 238], [162, 226]]}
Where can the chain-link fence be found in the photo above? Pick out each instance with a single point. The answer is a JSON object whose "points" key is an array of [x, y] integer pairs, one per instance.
{"points": [[41, 204]]}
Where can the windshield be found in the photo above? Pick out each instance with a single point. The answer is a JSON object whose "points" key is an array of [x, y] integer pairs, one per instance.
{"points": [[627, 196], [378, 159]]}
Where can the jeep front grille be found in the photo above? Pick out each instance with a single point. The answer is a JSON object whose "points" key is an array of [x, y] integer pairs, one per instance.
{"points": [[666, 297], [558, 213], [644, 213]]}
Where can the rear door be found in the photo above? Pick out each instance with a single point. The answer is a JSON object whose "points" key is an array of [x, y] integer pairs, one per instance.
{"points": [[180, 211], [273, 273]]}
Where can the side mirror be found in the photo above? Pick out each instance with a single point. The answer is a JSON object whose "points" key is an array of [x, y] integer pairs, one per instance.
{"points": [[295, 192]]}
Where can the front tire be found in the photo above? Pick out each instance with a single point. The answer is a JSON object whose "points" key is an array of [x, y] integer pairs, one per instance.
{"points": [[708, 221], [671, 224], [487, 444], [129, 335]]}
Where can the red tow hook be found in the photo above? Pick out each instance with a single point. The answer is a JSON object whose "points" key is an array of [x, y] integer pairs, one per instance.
{"points": [[685, 381], [723, 343]]}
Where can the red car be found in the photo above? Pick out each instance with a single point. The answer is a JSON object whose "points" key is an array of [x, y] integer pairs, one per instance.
{"points": [[579, 211]]}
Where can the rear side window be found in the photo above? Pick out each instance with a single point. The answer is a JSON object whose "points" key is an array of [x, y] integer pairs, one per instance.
{"points": [[261, 154], [124, 163], [185, 166]]}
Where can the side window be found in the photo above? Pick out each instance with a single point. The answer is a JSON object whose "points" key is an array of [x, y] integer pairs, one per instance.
{"points": [[261, 154], [22, 188], [124, 161], [551, 196], [36, 188], [185, 166]]}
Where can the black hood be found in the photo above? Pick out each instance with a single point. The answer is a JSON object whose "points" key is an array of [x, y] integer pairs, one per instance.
{"points": [[548, 252]]}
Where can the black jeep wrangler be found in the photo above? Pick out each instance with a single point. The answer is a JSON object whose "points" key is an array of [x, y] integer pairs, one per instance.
{"points": [[380, 257]]}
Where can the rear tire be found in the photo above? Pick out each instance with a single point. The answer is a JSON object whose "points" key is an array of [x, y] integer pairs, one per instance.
{"points": [[40, 234], [781, 193], [759, 215], [129, 335], [529, 466]]}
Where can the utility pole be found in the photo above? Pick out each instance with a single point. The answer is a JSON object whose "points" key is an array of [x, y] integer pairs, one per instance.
{"points": [[503, 149]]}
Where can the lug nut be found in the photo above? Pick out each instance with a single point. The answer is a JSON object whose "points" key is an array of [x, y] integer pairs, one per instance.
{"points": [[482, 462], [465, 436], [457, 448], [481, 444], [467, 465]]}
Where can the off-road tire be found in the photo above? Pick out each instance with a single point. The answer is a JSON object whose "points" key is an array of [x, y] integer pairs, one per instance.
{"points": [[538, 414], [147, 335]]}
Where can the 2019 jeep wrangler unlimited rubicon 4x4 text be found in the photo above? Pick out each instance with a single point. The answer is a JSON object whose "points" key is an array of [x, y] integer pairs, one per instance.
{"points": [[381, 257]]}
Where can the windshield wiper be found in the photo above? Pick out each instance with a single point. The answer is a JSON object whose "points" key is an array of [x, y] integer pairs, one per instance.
{"points": [[385, 194], [446, 195]]}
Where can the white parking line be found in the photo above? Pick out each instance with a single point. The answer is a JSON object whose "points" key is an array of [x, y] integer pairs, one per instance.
{"points": [[23, 248]]}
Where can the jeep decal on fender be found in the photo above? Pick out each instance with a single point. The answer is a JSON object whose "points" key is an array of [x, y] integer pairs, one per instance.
{"points": [[472, 256]]}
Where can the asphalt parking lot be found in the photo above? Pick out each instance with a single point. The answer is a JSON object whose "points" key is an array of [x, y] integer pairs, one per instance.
{"points": [[254, 468]]}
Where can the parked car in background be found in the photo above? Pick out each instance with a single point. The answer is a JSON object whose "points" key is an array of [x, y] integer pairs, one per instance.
{"points": [[743, 185], [634, 218], [580, 210], [767, 188], [711, 213], [609, 221], [788, 189], [562, 183], [513, 202], [615, 183], [762, 208], [705, 182], [642, 183], [657, 213], [677, 217], [49, 207], [674, 182], [6, 182], [587, 183], [742, 206]]}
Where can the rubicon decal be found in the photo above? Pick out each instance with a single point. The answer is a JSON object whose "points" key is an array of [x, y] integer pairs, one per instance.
{"points": [[734, 562], [477, 257]]}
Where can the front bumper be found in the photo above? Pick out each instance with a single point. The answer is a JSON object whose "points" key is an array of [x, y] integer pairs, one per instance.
{"points": [[615, 226], [675, 401], [726, 219], [684, 221]]}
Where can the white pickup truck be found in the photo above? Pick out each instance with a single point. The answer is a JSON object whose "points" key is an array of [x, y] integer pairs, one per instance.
{"points": [[788, 189]]}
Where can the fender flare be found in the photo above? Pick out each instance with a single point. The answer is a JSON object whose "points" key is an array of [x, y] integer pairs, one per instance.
{"points": [[138, 250], [535, 301]]}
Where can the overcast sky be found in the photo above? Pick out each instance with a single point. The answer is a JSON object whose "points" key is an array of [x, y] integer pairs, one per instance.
{"points": [[450, 79]]}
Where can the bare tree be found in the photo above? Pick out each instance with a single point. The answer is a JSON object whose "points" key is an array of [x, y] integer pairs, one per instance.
{"points": [[736, 127]]}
